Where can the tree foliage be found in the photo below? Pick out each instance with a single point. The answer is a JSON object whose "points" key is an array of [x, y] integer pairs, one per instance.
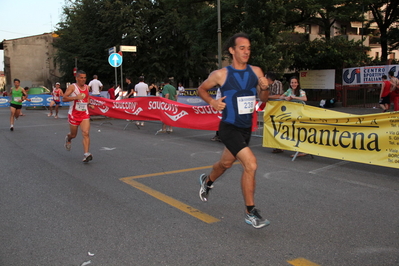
{"points": [[385, 14], [322, 13], [321, 54], [178, 38]]}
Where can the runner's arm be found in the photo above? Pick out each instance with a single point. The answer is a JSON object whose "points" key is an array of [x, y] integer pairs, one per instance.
{"points": [[67, 96], [213, 80], [263, 84]]}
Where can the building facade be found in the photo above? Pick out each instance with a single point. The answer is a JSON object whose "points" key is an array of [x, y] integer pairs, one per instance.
{"points": [[31, 60], [352, 31]]}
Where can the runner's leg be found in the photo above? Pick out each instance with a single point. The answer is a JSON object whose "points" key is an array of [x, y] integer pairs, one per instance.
{"points": [[249, 163], [85, 129]]}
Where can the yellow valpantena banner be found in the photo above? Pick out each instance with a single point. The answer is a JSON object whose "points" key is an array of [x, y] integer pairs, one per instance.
{"points": [[371, 139]]}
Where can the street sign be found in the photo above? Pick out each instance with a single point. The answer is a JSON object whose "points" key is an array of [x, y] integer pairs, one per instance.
{"points": [[115, 60], [111, 50], [126, 48]]}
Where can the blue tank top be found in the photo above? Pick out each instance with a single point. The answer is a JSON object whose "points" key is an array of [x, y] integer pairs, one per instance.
{"points": [[238, 83]]}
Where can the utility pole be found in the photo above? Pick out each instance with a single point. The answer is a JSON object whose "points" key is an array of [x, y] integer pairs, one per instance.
{"points": [[219, 37]]}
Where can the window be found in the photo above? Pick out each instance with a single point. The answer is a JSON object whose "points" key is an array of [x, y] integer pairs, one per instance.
{"points": [[308, 29]]}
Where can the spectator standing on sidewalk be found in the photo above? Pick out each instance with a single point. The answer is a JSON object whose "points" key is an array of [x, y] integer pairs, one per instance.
{"points": [[295, 93], [168, 92], [385, 97], [130, 88], [181, 89], [111, 92], [141, 90], [95, 86]]}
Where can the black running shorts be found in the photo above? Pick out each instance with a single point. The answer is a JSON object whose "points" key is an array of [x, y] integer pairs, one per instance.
{"points": [[386, 99], [16, 106], [234, 138]]}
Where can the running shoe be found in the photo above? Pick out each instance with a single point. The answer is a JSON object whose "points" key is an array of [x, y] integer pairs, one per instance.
{"points": [[253, 218], [67, 144], [160, 131], [12, 128], [216, 138], [88, 157], [204, 190]]}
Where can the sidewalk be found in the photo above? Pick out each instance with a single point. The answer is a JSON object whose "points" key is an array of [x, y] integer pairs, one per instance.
{"points": [[352, 110], [357, 110]]}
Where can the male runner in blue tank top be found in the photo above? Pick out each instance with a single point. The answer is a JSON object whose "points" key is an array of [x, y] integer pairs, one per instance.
{"points": [[239, 84]]}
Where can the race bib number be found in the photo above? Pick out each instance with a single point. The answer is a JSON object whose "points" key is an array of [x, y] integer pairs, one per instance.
{"points": [[81, 106], [17, 99], [246, 104]]}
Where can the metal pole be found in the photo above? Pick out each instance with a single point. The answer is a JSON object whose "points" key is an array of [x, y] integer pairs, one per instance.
{"points": [[116, 78], [122, 78], [219, 37]]}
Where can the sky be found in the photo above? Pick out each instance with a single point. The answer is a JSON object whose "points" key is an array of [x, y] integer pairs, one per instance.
{"points": [[23, 18]]}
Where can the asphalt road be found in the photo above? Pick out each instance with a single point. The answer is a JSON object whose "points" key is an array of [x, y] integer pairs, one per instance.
{"points": [[137, 202]]}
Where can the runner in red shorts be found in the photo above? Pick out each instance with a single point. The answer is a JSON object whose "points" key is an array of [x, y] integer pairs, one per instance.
{"points": [[57, 94], [78, 115]]}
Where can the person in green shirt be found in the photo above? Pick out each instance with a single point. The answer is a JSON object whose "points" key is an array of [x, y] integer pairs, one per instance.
{"points": [[17, 96], [168, 92]]}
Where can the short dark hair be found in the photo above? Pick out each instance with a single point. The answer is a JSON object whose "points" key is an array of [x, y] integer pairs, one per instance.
{"points": [[79, 72], [384, 77], [391, 73], [141, 78], [271, 75], [231, 42], [166, 80], [17, 80]]}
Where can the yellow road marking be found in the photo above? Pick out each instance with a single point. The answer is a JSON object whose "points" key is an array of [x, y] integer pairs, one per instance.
{"points": [[302, 262], [169, 172], [175, 203]]}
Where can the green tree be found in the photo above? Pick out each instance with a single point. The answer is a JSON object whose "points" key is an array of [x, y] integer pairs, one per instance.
{"points": [[385, 13], [89, 28], [322, 13], [164, 32], [265, 30], [334, 54]]}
